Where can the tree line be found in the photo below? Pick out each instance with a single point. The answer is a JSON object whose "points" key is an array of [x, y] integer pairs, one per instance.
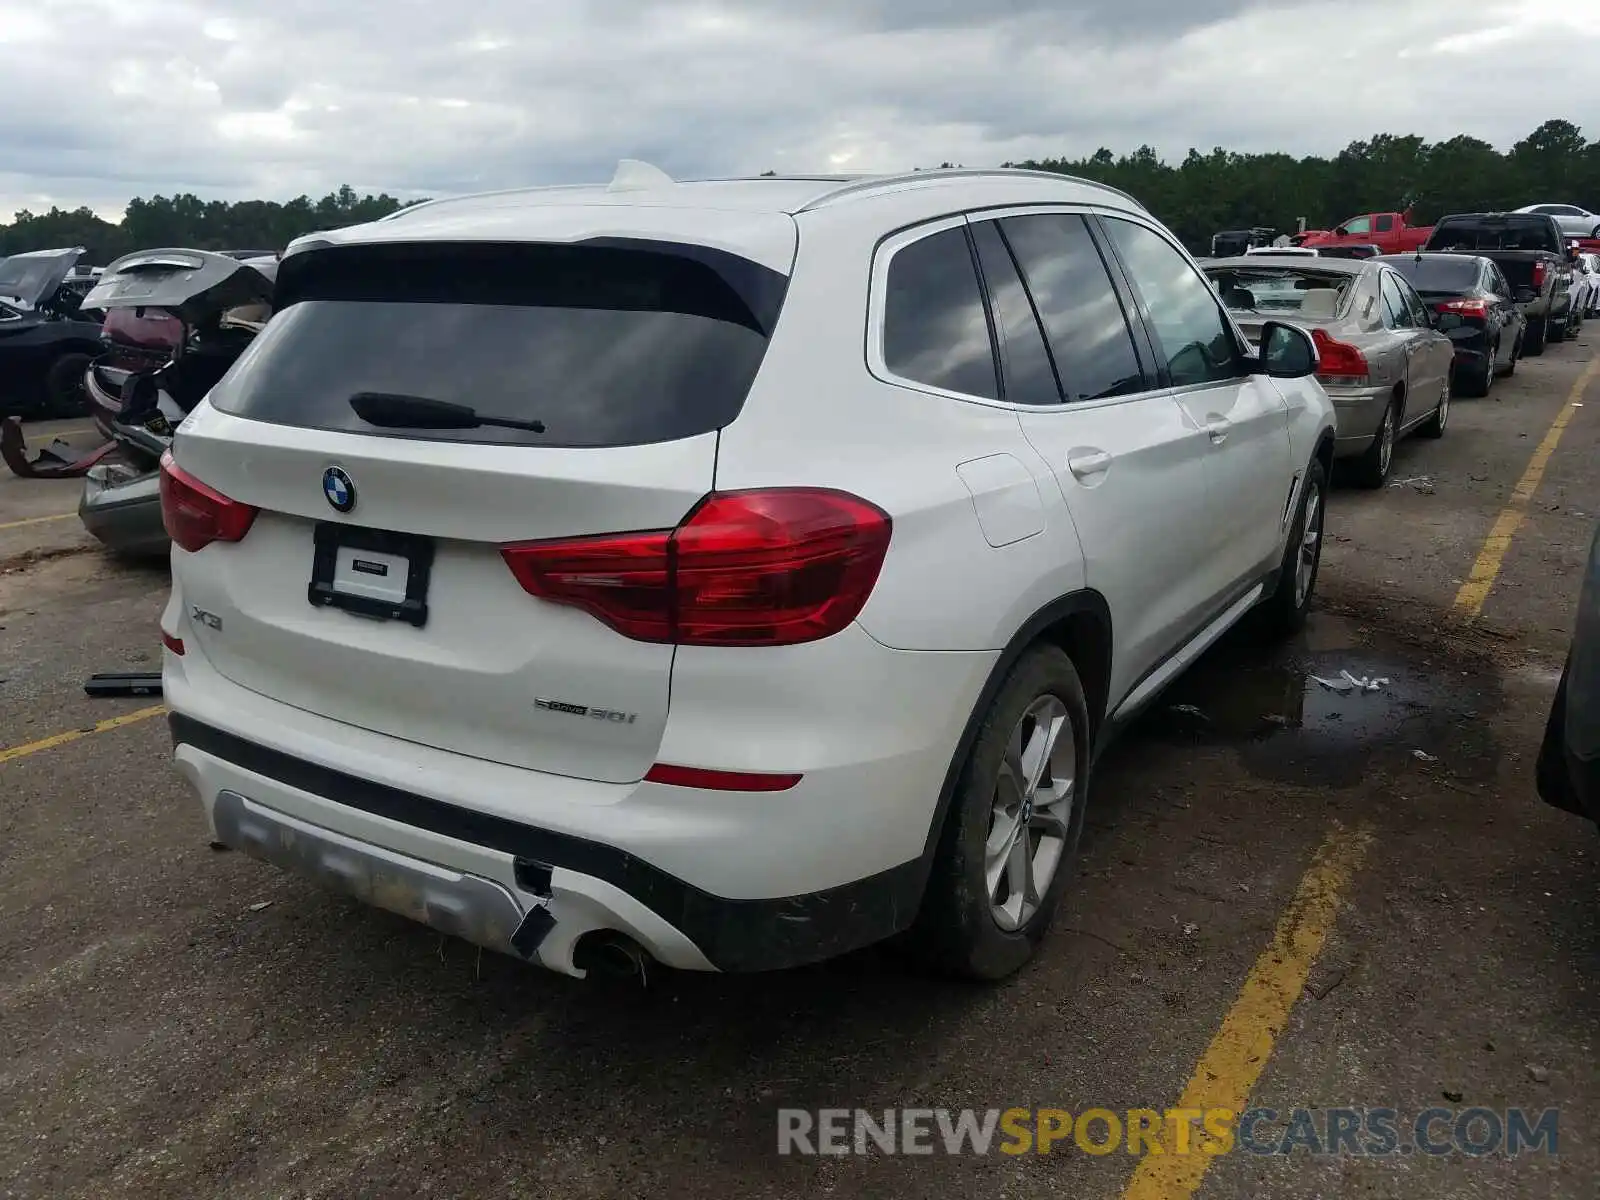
{"points": [[187, 220], [1196, 197]]}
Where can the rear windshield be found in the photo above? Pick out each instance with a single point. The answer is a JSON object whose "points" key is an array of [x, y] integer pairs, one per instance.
{"points": [[605, 343], [1494, 233], [1276, 289], [1437, 274]]}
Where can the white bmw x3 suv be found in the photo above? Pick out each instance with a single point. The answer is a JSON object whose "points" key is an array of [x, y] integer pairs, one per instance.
{"points": [[735, 572]]}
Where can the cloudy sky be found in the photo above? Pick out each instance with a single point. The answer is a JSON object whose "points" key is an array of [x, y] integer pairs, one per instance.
{"points": [[107, 99]]}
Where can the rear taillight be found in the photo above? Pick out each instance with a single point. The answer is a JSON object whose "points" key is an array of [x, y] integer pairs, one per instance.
{"points": [[1342, 364], [196, 515], [1465, 308], [757, 568], [1538, 275]]}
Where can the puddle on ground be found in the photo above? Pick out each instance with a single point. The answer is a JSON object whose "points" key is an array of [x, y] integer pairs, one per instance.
{"points": [[1289, 727]]}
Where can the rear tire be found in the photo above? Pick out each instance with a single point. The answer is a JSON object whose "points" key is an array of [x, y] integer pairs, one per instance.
{"points": [[1372, 468], [1038, 725], [1534, 339], [1511, 363], [1433, 427], [1479, 383], [1285, 611], [1555, 331]]}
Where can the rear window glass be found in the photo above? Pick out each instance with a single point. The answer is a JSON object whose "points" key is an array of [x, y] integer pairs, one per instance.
{"points": [[1279, 290], [606, 344], [1438, 274], [1494, 233]]}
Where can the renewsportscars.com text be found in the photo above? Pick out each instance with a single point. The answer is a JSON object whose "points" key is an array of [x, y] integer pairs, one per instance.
{"points": [[1362, 1132]]}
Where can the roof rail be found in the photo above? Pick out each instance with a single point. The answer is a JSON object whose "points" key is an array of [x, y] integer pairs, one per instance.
{"points": [[875, 182]]}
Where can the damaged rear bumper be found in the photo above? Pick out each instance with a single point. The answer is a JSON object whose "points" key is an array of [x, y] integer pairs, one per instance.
{"points": [[534, 893]]}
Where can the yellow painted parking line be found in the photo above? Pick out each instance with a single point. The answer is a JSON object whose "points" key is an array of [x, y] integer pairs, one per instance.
{"points": [[72, 735], [1227, 1072], [1469, 600], [36, 520]]}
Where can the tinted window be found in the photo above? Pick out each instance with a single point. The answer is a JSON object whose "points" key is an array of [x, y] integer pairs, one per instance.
{"points": [[1025, 363], [1193, 337], [1453, 275], [1081, 311], [934, 327], [1385, 224], [606, 346], [1394, 303]]}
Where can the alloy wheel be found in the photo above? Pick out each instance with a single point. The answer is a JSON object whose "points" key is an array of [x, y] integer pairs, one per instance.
{"points": [[1032, 812], [1305, 568], [1386, 441]]}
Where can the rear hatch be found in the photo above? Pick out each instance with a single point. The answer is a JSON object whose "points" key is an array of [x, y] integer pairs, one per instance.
{"points": [[371, 588]]}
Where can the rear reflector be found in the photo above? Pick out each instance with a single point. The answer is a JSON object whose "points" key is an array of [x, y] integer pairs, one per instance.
{"points": [[719, 781], [196, 515], [758, 568], [171, 643], [1467, 308], [1538, 275]]}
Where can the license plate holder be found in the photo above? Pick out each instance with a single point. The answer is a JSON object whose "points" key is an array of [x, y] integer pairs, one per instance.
{"points": [[372, 573]]}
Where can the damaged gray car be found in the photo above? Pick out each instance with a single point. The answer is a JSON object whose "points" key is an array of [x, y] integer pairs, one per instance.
{"points": [[176, 320]]}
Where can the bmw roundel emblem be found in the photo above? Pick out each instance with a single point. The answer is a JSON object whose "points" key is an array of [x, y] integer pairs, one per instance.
{"points": [[339, 489]]}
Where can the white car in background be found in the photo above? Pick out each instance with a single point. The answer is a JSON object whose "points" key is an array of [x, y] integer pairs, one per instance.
{"points": [[1586, 275], [731, 572], [1575, 222]]}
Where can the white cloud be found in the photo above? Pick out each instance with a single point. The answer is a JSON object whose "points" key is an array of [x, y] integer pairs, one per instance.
{"points": [[239, 99]]}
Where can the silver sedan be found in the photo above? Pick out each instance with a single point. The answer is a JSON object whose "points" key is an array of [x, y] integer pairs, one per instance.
{"points": [[1385, 365]]}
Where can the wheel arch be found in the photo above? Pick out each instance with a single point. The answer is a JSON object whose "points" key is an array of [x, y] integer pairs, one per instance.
{"points": [[1080, 624]]}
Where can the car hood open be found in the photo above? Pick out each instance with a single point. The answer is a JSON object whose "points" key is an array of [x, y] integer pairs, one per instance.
{"points": [[34, 276], [193, 285]]}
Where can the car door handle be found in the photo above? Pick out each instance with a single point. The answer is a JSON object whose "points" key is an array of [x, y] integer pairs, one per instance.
{"points": [[1088, 464], [1217, 428]]}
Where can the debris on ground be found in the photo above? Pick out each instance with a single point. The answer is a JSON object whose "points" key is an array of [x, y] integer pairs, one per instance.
{"points": [[1424, 756], [1538, 1074], [1420, 483], [260, 904], [1347, 682]]}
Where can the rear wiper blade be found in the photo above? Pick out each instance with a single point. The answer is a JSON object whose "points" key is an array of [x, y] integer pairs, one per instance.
{"points": [[396, 410]]}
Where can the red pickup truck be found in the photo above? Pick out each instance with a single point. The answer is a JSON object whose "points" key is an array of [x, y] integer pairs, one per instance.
{"points": [[1392, 232]]}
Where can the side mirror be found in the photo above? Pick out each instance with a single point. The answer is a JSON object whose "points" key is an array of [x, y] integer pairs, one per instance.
{"points": [[1287, 352]]}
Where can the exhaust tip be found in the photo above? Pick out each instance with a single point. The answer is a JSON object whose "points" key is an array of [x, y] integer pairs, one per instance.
{"points": [[607, 952]]}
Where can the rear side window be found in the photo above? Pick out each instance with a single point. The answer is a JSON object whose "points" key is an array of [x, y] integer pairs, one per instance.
{"points": [[1079, 306], [607, 344], [935, 330], [1194, 337], [1026, 373], [1395, 303]]}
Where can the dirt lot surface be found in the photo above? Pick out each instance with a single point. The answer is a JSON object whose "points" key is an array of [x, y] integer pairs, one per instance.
{"points": [[180, 1022]]}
